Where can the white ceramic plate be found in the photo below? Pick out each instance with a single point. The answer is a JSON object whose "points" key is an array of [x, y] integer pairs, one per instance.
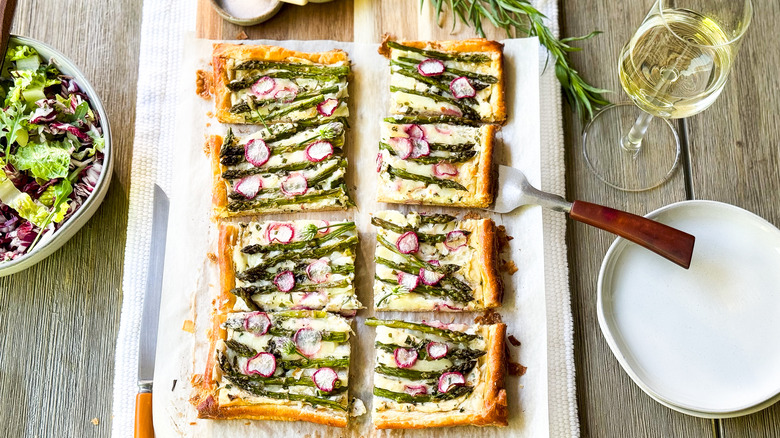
{"points": [[701, 341], [52, 242]]}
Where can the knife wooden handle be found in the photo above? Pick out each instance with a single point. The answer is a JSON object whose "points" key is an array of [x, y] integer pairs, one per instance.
{"points": [[7, 9], [143, 415], [664, 240]]}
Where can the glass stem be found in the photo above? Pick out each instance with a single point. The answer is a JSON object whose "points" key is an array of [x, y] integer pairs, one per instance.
{"points": [[632, 141]]}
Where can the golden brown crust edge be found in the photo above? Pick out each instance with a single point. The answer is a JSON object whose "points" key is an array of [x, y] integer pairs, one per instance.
{"points": [[209, 409], [494, 411], [492, 288], [224, 51], [218, 188], [485, 190]]}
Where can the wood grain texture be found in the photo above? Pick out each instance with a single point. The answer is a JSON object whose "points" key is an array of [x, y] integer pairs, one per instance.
{"points": [[59, 319]]}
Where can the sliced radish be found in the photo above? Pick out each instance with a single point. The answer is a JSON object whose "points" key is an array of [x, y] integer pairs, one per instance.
{"points": [[455, 240], [446, 306], [408, 243], [434, 262], [285, 281], [430, 277], [437, 350], [461, 87], [257, 323], [405, 357], [294, 184], [325, 379], [326, 225], [308, 341], [312, 301], [402, 146], [319, 150], [420, 148], [328, 107], [379, 162], [415, 389], [318, 271], [437, 324], [281, 232], [415, 131], [286, 94], [444, 168], [262, 363], [448, 111], [263, 86], [408, 281], [448, 380], [249, 186], [443, 131], [430, 67], [257, 152]]}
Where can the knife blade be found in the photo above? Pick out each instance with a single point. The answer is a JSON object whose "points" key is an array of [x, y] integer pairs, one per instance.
{"points": [[151, 314]]}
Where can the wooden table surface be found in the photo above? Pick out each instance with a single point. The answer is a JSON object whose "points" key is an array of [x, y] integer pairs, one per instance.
{"points": [[59, 319]]}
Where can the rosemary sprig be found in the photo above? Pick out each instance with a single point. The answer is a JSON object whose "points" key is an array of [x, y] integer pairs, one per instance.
{"points": [[507, 15]]}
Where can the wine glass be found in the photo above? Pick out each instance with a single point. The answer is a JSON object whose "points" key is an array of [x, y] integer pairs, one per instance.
{"points": [[674, 66]]}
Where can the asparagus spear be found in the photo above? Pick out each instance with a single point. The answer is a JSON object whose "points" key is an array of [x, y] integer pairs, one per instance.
{"points": [[413, 259], [402, 397], [406, 373], [429, 238], [445, 183], [431, 119], [459, 57], [240, 349], [339, 229], [442, 82], [253, 273], [261, 290], [468, 111], [449, 71], [341, 70], [240, 84], [457, 157], [443, 333], [422, 352], [458, 295], [437, 218]]}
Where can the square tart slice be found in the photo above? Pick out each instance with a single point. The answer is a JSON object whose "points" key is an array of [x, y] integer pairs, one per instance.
{"points": [[259, 84], [303, 264], [291, 366], [435, 374], [286, 167], [459, 79], [435, 262], [436, 164]]}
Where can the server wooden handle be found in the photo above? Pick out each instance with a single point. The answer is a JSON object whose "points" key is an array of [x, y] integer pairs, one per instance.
{"points": [[143, 415], [664, 240]]}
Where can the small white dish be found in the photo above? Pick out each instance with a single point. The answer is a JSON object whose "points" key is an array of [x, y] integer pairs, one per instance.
{"points": [[701, 341], [51, 242]]}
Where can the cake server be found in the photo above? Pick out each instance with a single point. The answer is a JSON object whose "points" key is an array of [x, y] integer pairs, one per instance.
{"points": [[515, 191], [148, 339]]}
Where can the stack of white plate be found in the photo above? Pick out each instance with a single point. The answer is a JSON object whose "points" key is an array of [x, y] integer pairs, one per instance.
{"points": [[702, 341]]}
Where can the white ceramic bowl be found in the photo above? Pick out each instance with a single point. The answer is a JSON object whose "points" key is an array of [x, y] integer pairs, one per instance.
{"points": [[52, 242], [701, 341]]}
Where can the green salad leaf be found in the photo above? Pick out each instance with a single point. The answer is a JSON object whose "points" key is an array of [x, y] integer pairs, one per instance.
{"points": [[44, 161], [28, 86], [20, 52]]}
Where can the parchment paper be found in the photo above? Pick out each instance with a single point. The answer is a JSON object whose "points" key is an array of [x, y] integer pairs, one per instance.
{"points": [[191, 278]]}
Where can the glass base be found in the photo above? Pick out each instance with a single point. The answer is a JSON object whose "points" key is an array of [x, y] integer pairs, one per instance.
{"points": [[644, 168]]}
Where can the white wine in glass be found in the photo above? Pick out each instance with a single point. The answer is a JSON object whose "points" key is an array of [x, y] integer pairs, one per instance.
{"points": [[674, 66]]}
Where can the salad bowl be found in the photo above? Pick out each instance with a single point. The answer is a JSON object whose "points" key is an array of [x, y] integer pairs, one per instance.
{"points": [[87, 195]]}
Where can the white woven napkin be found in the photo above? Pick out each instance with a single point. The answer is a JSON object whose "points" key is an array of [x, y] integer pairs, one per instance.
{"points": [[165, 22]]}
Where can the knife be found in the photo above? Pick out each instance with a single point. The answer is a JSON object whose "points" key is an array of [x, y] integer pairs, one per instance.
{"points": [[144, 427]]}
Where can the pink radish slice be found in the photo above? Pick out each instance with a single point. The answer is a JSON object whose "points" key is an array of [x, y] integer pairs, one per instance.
{"points": [[434, 262], [437, 324], [448, 307], [420, 148], [294, 184], [402, 146], [328, 107], [263, 86], [285, 281], [324, 227], [447, 111], [312, 300], [415, 389], [280, 232], [348, 313], [319, 150], [318, 271], [325, 379], [430, 277], [286, 95], [430, 67], [257, 323], [249, 186], [443, 131], [461, 87], [415, 131], [455, 240], [379, 162], [408, 243], [443, 168], [405, 357], [262, 363], [408, 281], [257, 152], [437, 350], [450, 379], [308, 341]]}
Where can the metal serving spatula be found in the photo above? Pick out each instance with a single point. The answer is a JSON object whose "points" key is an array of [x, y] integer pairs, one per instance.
{"points": [[515, 191]]}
